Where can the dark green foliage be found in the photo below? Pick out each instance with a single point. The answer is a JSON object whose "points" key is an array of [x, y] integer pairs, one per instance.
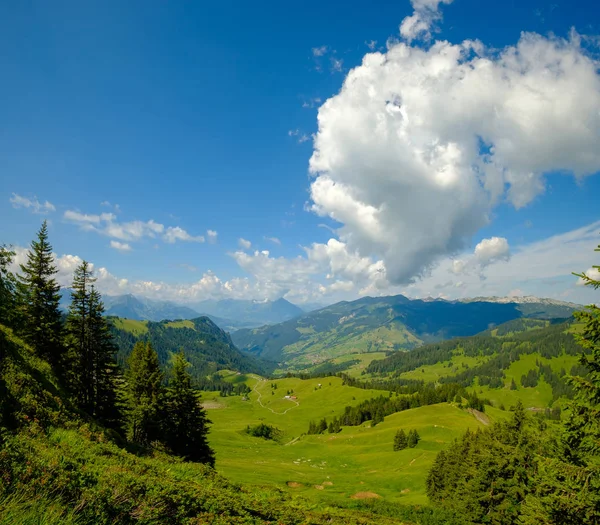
{"points": [[7, 288], [549, 342], [145, 395], [39, 297], [526, 470], [264, 431], [400, 440], [186, 424], [92, 370], [413, 439], [530, 379], [206, 347]]}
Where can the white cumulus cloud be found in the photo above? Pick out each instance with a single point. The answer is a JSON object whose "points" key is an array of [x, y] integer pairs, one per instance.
{"points": [[420, 145], [107, 224]]}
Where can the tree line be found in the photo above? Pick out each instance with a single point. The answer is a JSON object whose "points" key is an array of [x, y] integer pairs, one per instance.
{"points": [[138, 402], [532, 470]]}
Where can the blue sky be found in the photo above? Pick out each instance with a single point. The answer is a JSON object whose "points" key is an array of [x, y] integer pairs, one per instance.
{"points": [[201, 117]]}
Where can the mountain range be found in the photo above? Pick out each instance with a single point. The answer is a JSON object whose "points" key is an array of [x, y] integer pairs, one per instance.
{"points": [[383, 324], [228, 314]]}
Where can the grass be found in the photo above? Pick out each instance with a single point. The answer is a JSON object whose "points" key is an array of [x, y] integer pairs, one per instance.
{"points": [[539, 396], [132, 326], [180, 324], [432, 373], [328, 468]]}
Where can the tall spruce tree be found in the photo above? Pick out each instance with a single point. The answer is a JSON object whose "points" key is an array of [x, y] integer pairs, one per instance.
{"points": [[92, 367], [144, 395], [106, 372], [39, 297], [7, 287], [187, 424], [400, 440], [81, 369]]}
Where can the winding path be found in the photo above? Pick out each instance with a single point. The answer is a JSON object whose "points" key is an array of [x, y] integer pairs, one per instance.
{"points": [[259, 380]]}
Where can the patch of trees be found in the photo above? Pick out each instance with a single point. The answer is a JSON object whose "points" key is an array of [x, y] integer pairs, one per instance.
{"points": [[207, 347], [527, 470], [80, 350], [403, 440], [264, 431], [377, 408], [550, 342]]}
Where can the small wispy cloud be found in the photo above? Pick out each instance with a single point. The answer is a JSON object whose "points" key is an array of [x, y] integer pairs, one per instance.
{"points": [[372, 44], [312, 102], [299, 135], [337, 65], [107, 224], [189, 267], [274, 240], [120, 246], [18, 201], [244, 243], [175, 233], [319, 51], [212, 236]]}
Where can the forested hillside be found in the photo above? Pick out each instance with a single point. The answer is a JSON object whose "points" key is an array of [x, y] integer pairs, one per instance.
{"points": [[205, 345], [380, 324]]}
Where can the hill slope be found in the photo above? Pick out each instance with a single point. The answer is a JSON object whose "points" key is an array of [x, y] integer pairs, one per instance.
{"points": [[206, 346], [60, 468], [379, 324]]}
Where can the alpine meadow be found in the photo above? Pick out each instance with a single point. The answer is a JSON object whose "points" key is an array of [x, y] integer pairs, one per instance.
{"points": [[331, 263]]}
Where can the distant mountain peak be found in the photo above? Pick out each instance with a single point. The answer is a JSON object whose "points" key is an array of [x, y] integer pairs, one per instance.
{"points": [[520, 299]]}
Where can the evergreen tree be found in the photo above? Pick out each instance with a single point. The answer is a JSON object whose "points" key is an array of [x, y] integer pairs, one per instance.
{"points": [[92, 366], [144, 395], [187, 424], [7, 287], [400, 440], [413, 439], [81, 369], [39, 297], [106, 372]]}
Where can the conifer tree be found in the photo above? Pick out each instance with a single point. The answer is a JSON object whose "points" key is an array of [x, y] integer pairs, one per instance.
{"points": [[144, 395], [7, 287], [81, 362], [39, 297], [92, 367], [187, 424], [106, 372], [400, 440], [413, 439]]}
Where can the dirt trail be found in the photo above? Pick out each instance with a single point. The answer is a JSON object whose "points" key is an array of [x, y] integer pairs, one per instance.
{"points": [[258, 382]]}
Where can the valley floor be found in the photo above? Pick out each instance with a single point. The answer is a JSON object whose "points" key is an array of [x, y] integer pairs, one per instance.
{"points": [[358, 462]]}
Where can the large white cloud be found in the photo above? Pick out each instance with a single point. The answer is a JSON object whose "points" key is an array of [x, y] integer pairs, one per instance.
{"points": [[420, 144]]}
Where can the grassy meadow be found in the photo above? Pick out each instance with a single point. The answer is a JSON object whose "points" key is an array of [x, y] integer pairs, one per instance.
{"points": [[358, 462]]}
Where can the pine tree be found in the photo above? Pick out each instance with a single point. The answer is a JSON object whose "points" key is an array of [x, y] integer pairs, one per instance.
{"points": [[7, 287], [106, 372], [413, 439], [187, 424], [81, 369], [400, 440], [583, 426], [39, 297], [144, 395], [92, 368]]}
